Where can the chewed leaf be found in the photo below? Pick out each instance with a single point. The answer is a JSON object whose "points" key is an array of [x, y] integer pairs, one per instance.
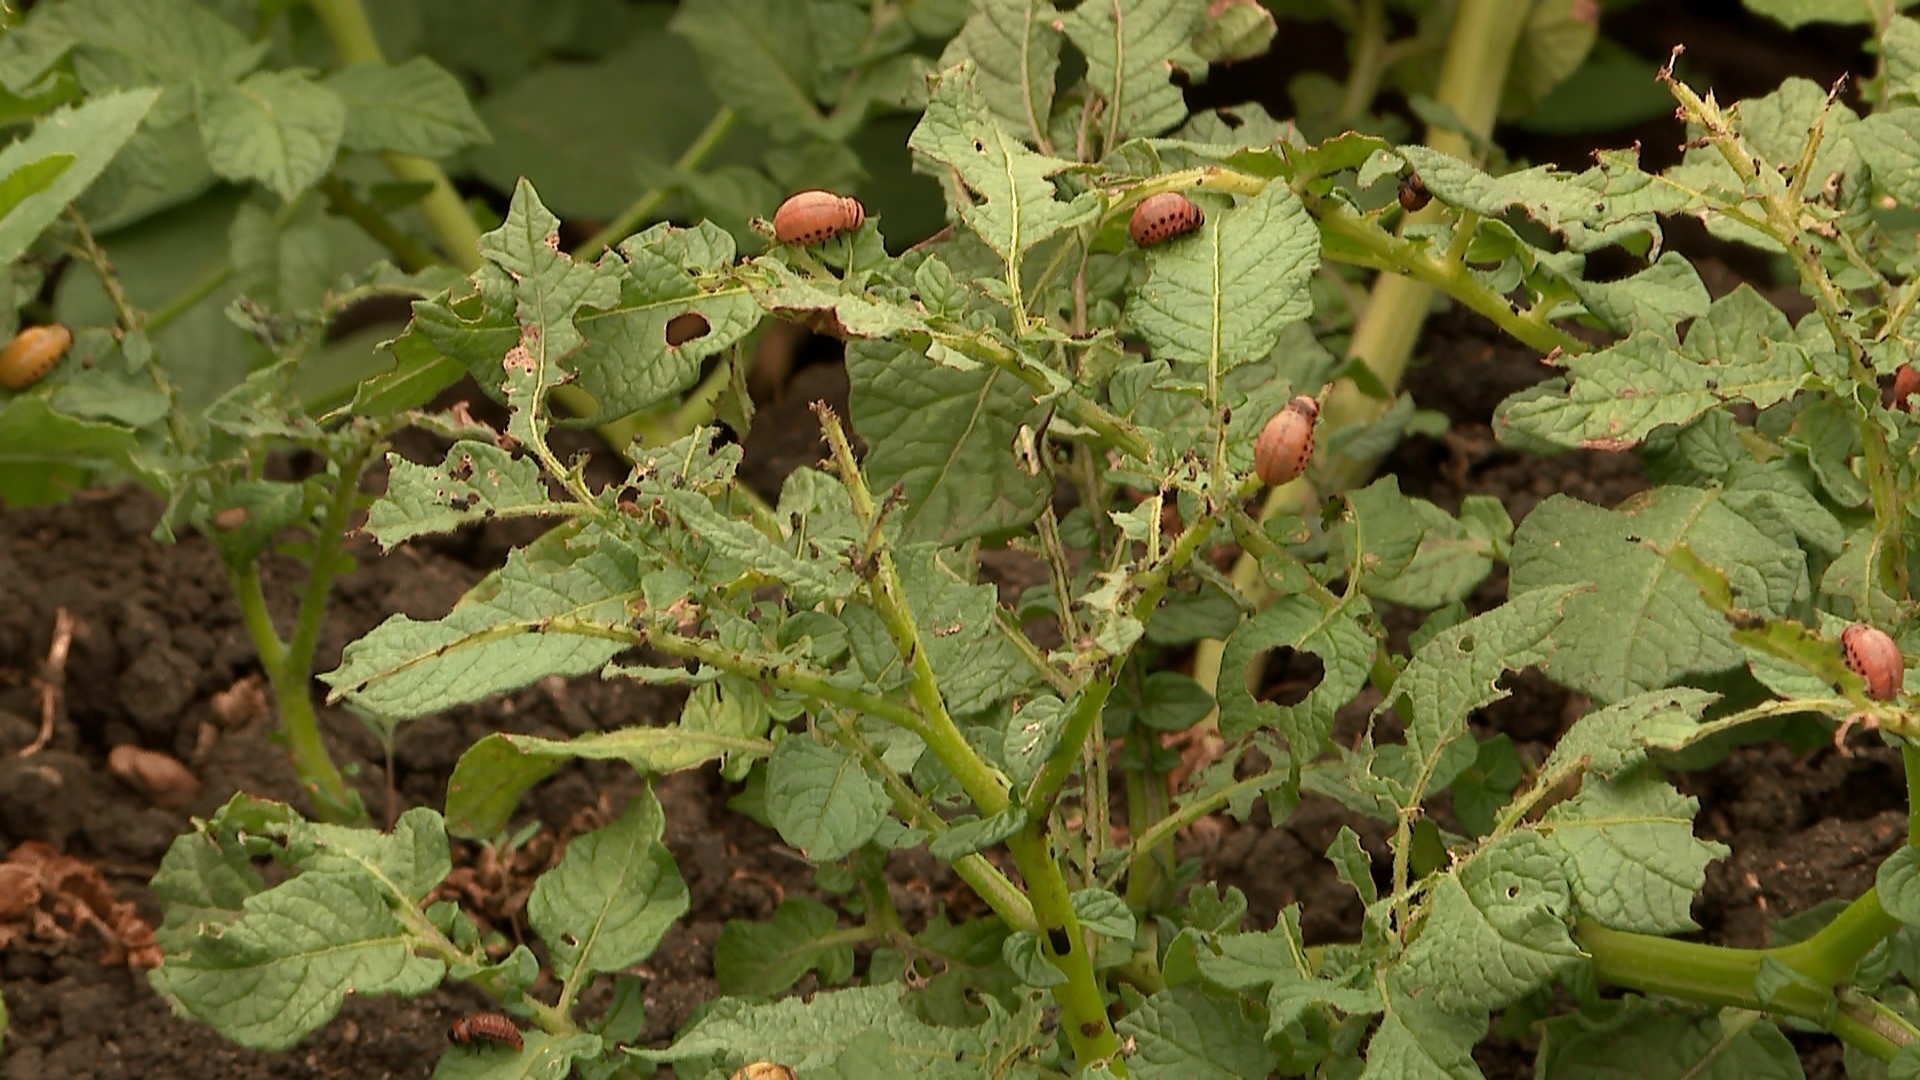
{"points": [[1133, 48], [528, 621], [1630, 853], [283, 968], [1016, 207], [1496, 929], [477, 482], [613, 896]]}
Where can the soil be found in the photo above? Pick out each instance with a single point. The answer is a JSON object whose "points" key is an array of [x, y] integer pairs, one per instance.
{"points": [[158, 650]]}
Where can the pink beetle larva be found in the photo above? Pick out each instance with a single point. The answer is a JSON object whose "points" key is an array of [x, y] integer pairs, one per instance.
{"points": [[1871, 653], [813, 217], [1162, 217], [1286, 443], [32, 353]]}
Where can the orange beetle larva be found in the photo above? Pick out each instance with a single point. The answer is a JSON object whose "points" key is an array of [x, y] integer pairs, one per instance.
{"points": [[1286, 443], [32, 353], [486, 1027], [1873, 656], [231, 518], [1906, 382], [764, 1070], [1413, 193], [812, 217], [1162, 217]]}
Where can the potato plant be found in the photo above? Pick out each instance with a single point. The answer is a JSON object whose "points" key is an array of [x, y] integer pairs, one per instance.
{"points": [[1033, 379]]}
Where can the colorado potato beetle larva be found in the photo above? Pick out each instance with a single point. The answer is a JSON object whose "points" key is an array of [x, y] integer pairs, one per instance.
{"points": [[812, 217], [1413, 193], [1162, 217], [1286, 443], [764, 1070], [486, 1027], [1873, 656], [230, 518], [32, 353]]}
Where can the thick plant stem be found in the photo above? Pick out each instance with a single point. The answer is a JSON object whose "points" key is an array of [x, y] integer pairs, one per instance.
{"points": [[1714, 975]]}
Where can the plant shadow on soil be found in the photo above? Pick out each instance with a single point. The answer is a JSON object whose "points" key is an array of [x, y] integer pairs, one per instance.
{"points": [[158, 637]]}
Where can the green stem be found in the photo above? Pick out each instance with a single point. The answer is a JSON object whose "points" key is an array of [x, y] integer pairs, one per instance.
{"points": [[446, 213], [644, 207], [199, 289], [1369, 64], [408, 251]]}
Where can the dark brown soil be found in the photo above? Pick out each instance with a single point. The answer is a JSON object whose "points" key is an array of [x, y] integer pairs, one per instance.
{"points": [[158, 636]]}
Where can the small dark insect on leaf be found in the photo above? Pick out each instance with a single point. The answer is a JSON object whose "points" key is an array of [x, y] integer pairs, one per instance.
{"points": [[486, 1027], [1413, 193], [687, 326]]}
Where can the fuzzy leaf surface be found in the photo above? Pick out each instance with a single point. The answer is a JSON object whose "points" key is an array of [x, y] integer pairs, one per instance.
{"points": [[613, 896], [1220, 297]]}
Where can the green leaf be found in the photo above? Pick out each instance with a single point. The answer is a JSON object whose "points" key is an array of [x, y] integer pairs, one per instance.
{"points": [[1643, 1037], [415, 107], [629, 361], [1016, 208], [1104, 913], [1793, 14], [1630, 854], [91, 134], [581, 131], [1552, 45], [615, 893], [759, 58], [1416, 1041], [31, 179], [549, 286], [1015, 48], [822, 799], [501, 636], [46, 456], [761, 959], [976, 665], [1898, 880], [810, 1034], [1605, 205], [1221, 296], [945, 437], [1496, 929], [969, 835], [1182, 1033], [1133, 47], [283, 968], [477, 482], [1645, 623], [1458, 671], [1297, 621], [278, 127], [1655, 299], [1612, 740], [541, 1057], [491, 776]]}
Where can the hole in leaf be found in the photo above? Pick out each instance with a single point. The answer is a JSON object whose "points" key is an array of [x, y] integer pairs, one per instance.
{"points": [[1513, 892], [1290, 676], [1466, 643], [687, 326]]}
